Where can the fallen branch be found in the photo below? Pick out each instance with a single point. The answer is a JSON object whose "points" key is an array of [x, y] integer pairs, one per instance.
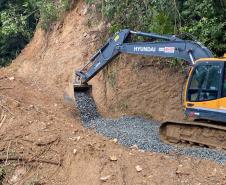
{"points": [[27, 160], [3, 77], [2, 120], [5, 88], [7, 153], [6, 108]]}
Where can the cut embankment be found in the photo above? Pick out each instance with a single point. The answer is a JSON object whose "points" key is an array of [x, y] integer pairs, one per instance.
{"points": [[136, 131]]}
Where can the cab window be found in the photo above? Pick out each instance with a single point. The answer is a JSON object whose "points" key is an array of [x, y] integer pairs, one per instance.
{"points": [[224, 83], [204, 84]]}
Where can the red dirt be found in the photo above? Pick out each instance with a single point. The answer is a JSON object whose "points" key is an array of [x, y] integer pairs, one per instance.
{"points": [[40, 124]]}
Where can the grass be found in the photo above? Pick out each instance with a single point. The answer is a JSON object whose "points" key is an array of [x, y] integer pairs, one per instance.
{"points": [[147, 115], [110, 74], [112, 78], [2, 175], [33, 181], [136, 66], [123, 105], [51, 12]]}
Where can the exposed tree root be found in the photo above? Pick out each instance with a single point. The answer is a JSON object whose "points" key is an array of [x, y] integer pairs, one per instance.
{"points": [[27, 160]]}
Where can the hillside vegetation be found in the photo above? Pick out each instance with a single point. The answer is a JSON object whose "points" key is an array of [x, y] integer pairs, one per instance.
{"points": [[203, 20], [43, 139]]}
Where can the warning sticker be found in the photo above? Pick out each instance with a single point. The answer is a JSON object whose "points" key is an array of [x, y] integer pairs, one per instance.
{"points": [[169, 49]]}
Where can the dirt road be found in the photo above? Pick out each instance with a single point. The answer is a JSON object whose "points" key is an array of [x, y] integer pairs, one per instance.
{"points": [[43, 131]]}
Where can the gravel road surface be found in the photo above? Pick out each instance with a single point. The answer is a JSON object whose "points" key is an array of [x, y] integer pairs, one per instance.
{"points": [[129, 131]]}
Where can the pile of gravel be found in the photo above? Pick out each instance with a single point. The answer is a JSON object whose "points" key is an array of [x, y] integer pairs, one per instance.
{"points": [[131, 131]]}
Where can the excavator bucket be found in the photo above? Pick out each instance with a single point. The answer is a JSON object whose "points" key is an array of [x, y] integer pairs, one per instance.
{"points": [[82, 87]]}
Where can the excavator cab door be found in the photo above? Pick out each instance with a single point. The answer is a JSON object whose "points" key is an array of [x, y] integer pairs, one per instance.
{"points": [[204, 91]]}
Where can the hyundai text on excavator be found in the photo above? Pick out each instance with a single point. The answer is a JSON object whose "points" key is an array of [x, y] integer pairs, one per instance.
{"points": [[204, 96]]}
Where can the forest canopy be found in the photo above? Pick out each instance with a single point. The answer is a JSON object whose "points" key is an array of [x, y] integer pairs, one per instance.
{"points": [[205, 20], [18, 22]]}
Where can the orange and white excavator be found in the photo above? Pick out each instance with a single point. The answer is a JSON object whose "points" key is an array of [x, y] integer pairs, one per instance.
{"points": [[204, 96]]}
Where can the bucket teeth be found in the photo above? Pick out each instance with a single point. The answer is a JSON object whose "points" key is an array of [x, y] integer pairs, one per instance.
{"points": [[82, 87]]}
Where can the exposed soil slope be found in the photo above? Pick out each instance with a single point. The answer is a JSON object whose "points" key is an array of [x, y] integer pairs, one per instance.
{"points": [[132, 85], [39, 123]]}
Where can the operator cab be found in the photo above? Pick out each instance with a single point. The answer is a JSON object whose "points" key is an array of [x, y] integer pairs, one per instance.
{"points": [[206, 90]]}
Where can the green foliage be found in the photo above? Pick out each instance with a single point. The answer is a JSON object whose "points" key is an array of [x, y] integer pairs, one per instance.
{"points": [[111, 76], [2, 174], [205, 19], [48, 14], [51, 11], [18, 22], [135, 14], [147, 115], [123, 105], [161, 23]]}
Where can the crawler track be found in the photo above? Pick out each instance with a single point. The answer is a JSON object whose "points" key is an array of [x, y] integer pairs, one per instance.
{"points": [[203, 134]]}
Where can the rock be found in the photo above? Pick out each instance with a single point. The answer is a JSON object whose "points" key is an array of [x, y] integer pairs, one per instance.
{"points": [[138, 168], [113, 158], [16, 104], [115, 140], [31, 106], [75, 131], [75, 151], [46, 140], [93, 37], [85, 34], [182, 170], [11, 78], [134, 147], [104, 179], [85, 10], [179, 169], [18, 175], [213, 173], [78, 138]]}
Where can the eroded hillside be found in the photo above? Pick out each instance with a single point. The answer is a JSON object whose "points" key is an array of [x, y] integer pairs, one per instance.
{"points": [[131, 85], [42, 130]]}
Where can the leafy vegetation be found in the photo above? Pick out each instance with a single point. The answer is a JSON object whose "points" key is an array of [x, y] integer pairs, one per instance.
{"points": [[204, 19], [2, 174], [18, 22]]}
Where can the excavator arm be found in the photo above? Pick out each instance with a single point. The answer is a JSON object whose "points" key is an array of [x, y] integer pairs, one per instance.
{"points": [[167, 46]]}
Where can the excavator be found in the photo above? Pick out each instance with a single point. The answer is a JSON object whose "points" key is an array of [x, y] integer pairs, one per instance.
{"points": [[204, 95]]}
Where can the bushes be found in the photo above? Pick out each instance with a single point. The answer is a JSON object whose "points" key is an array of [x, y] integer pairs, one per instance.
{"points": [[19, 19], [2, 175], [51, 11], [205, 19], [17, 24]]}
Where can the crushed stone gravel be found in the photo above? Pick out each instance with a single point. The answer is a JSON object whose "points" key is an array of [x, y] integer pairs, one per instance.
{"points": [[131, 130]]}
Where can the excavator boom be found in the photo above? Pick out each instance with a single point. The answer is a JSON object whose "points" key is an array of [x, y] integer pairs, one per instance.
{"points": [[168, 46]]}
